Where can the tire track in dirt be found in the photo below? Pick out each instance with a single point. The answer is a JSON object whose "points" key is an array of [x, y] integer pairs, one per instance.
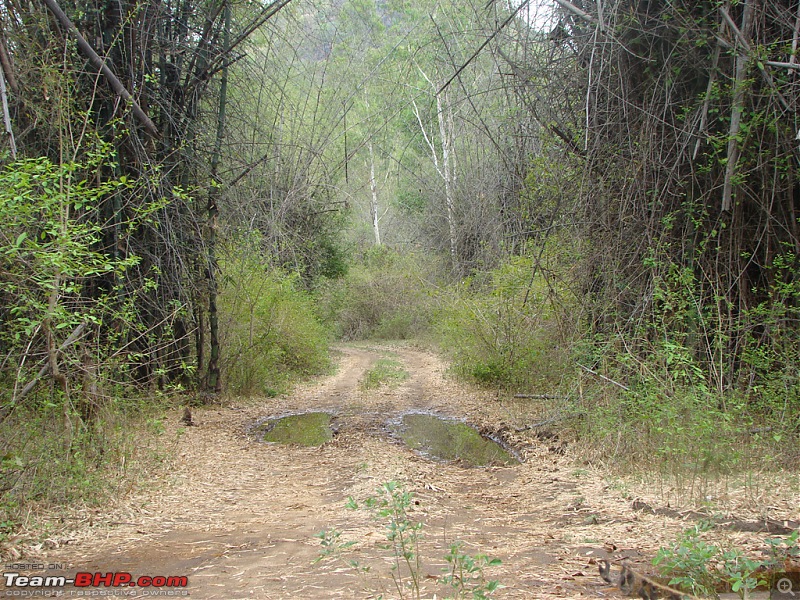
{"points": [[238, 516]]}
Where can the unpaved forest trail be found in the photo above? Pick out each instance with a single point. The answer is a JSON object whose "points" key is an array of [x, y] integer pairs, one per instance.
{"points": [[238, 516]]}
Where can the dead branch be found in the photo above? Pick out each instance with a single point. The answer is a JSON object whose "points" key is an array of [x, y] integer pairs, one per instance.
{"points": [[603, 377]]}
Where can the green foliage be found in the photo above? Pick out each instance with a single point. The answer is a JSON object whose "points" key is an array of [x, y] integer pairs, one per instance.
{"points": [[465, 574], [771, 347], [330, 540], [705, 568], [104, 458], [63, 305], [385, 296], [334, 548], [781, 549], [507, 328], [681, 406], [687, 562], [740, 572], [49, 249], [684, 434], [269, 328], [392, 505]]}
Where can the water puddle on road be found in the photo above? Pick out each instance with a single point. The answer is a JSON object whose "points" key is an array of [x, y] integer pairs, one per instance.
{"points": [[304, 429], [449, 440]]}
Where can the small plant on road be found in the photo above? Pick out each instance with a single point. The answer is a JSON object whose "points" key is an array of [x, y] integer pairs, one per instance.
{"points": [[687, 561], [465, 573], [392, 503]]}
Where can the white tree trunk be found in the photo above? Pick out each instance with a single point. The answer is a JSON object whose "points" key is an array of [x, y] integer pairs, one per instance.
{"points": [[446, 166], [373, 205], [446, 133]]}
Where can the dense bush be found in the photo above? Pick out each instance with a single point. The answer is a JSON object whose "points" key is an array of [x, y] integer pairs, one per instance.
{"points": [[509, 327], [268, 324], [385, 295], [65, 334], [677, 412]]}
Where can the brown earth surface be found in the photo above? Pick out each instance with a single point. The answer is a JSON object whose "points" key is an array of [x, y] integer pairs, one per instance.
{"points": [[238, 516]]}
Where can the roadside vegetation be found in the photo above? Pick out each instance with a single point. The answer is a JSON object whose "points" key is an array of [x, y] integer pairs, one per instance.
{"points": [[269, 326], [392, 506]]}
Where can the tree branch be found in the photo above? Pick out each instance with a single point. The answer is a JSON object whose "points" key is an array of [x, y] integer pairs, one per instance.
{"points": [[100, 64], [483, 45], [73, 337]]}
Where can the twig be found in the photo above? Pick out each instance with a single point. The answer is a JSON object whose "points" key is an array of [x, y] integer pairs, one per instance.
{"points": [[603, 377], [73, 337], [541, 396], [540, 423]]}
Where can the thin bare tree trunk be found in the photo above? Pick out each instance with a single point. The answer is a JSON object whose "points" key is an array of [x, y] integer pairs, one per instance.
{"points": [[445, 169], [738, 103], [373, 205], [214, 382], [5, 62], [701, 129], [447, 175], [52, 358]]}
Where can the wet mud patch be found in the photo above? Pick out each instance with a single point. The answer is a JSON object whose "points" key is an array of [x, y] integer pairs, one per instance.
{"points": [[301, 429], [449, 440]]}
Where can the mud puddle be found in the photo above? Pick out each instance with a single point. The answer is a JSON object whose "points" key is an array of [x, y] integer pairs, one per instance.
{"points": [[449, 440], [301, 429]]}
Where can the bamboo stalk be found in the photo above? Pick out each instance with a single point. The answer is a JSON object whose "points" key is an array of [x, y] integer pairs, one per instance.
{"points": [[100, 64], [737, 109], [7, 117]]}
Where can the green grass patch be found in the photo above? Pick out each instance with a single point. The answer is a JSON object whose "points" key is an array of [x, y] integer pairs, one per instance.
{"points": [[385, 372], [47, 466]]}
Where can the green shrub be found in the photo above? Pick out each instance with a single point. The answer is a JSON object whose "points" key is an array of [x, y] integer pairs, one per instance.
{"points": [[269, 328], [503, 328], [61, 304], [385, 296], [704, 568]]}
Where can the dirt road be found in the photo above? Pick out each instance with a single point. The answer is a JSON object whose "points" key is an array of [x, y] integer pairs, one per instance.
{"points": [[238, 516]]}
